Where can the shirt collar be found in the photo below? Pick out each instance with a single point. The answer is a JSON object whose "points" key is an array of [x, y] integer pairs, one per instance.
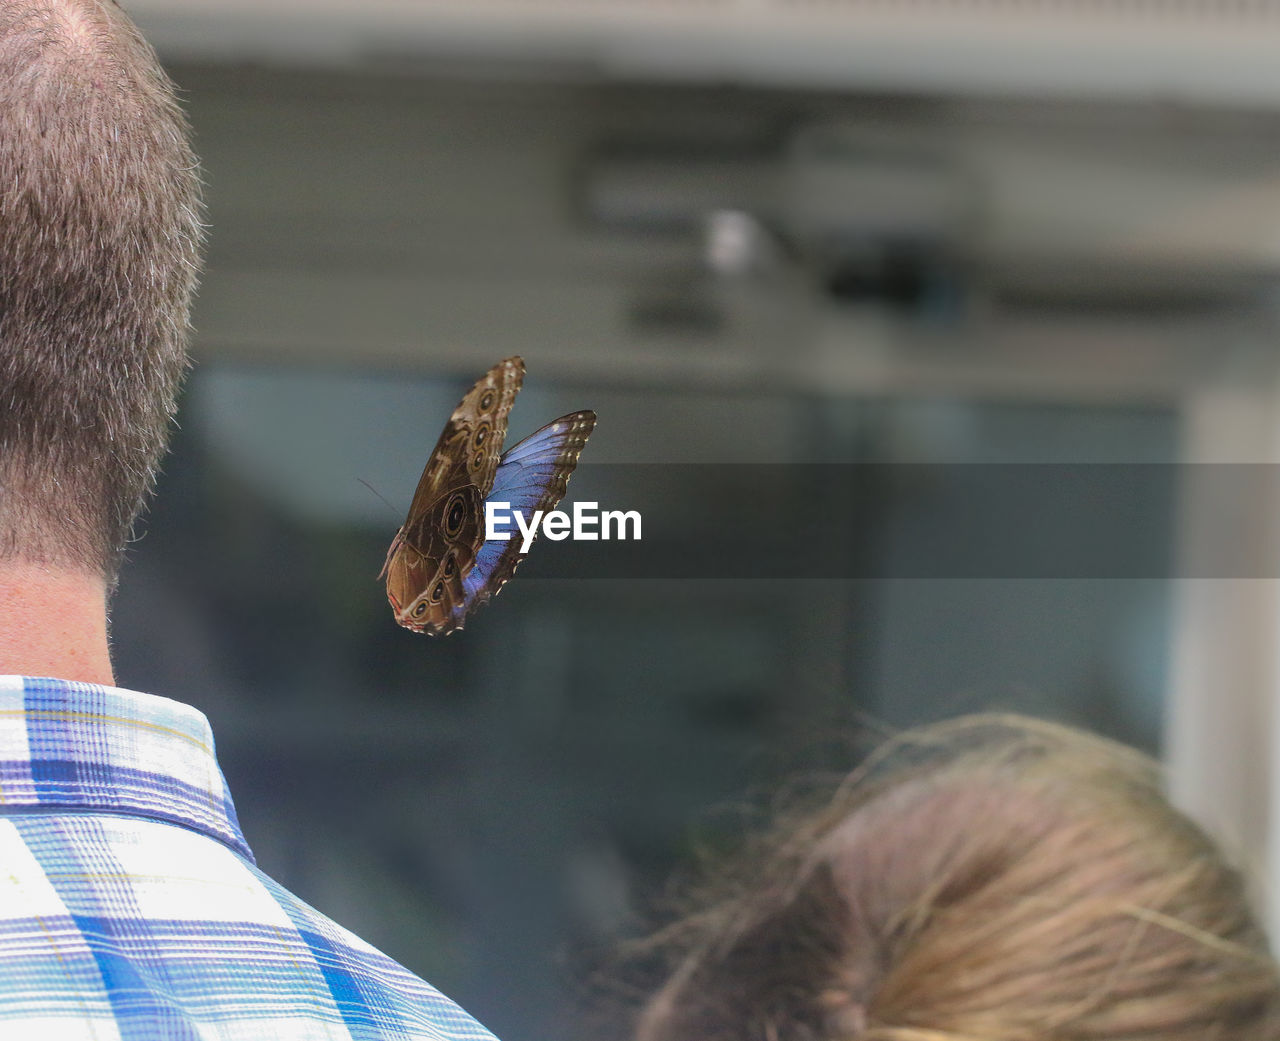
{"points": [[89, 748]]}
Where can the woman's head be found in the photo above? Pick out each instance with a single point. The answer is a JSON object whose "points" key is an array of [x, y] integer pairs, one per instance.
{"points": [[990, 879]]}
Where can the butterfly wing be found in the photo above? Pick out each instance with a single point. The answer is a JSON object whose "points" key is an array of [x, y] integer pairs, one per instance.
{"points": [[439, 540], [533, 475], [471, 442]]}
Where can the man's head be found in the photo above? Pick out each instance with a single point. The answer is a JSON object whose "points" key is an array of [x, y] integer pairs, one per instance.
{"points": [[99, 251]]}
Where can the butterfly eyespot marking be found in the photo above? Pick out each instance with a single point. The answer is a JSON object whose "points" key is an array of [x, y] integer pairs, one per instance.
{"points": [[486, 402], [454, 517], [450, 566], [477, 461], [437, 593], [481, 435], [420, 609]]}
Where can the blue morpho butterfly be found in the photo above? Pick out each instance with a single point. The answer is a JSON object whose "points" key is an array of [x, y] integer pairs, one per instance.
{"points": [[439, 566]]}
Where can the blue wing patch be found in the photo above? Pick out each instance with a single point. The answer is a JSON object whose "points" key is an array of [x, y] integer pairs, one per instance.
{"points": [[532, 475]]}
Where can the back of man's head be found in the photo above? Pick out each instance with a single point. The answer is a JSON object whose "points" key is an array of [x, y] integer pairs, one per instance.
{"points": [[99, 252]]}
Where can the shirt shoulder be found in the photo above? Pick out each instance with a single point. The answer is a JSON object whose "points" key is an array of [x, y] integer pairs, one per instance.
{"points": [[111, 925]]}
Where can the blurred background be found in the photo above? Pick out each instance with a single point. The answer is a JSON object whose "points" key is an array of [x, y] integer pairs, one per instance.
{"points": [[838, 232]]}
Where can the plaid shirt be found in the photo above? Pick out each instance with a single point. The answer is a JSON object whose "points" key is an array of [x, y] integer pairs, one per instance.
{"points": [[130, 906]]}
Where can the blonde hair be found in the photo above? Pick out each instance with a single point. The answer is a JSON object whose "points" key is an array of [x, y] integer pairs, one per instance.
{"points": [[990, 879]]}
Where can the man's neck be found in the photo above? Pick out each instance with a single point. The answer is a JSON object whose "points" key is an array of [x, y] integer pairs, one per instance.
{"points": [[53, 622]]}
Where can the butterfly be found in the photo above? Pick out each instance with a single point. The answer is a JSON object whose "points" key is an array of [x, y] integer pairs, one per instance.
{"points": [[439, 566]]}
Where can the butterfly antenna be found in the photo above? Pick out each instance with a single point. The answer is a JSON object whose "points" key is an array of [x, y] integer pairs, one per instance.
{"points": [[376, 492]]}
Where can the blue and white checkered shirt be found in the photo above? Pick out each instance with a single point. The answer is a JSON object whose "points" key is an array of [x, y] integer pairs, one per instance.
{"points": [[130, 906]]}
